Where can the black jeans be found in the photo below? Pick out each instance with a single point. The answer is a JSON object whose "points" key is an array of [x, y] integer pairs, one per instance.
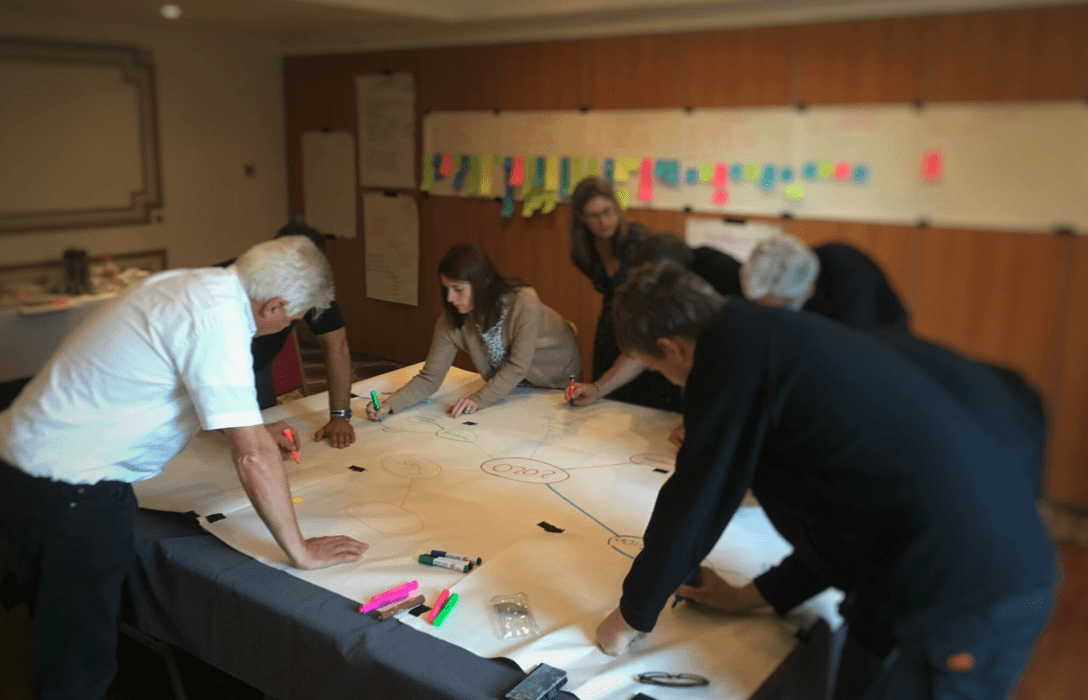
{"points": [[66, 549], [979, 656]]}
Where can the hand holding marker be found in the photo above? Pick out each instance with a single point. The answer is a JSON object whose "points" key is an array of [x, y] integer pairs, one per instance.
{"points": [[291, 436], [377, 407], [570, 391]]}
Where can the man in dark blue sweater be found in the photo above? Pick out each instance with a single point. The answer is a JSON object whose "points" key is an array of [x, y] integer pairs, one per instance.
{"points": [[886, 486]]}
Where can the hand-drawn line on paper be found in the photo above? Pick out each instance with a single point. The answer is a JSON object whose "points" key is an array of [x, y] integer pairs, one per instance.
{"points": [[426, 424], [645, 459], [393, 518]]}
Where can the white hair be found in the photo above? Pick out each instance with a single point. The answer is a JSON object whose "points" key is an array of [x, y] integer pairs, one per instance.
{"points": [[291, 268], [781, 265]]}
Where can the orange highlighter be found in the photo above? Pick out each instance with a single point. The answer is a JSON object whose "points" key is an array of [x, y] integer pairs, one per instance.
{"points": [[291, 436]]}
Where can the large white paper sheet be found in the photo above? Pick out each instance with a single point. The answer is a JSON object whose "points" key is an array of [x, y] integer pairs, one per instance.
{"points": [[387, 129], [328, 182], [391, 233]]}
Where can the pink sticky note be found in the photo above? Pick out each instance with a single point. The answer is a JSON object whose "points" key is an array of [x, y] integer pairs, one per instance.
{"points": [[933, 164], [721, 195], [446, 166], [646, 180], [842, 170], [517, 174], [721, 176]]}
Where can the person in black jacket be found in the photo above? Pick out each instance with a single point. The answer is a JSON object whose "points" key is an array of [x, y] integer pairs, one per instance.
{"points": [[886, 487], [834, 279]]}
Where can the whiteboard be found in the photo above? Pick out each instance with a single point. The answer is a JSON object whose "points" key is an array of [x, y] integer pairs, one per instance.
{"points": [[1014, 166]]}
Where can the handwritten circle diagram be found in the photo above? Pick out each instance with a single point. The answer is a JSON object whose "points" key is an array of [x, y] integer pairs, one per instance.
{"points": [[530, 471], [411, 466]]}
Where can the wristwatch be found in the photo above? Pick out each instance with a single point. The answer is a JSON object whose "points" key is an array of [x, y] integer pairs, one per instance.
{"points": [[344, 413]]}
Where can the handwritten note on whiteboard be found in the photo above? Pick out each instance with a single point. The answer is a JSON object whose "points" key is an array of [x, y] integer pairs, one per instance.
{"points": [[387, 129], [391, 235], [328, 182]]}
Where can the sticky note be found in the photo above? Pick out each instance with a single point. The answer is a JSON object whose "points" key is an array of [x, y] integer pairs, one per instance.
{"points": [[933, 164], [811, 170], [473, 185], [706, 172], [751, 171], [446, 167], [462, 170], [795, 191], [551, 200], [533, 200], [861, 173], [721, 175], [766, 179], [539, 171], [508, 200], [529, 176], [826, 168], [296, 500], [564, 178], [551, 173], [668, 170], [609, 170], [786, 175], [427, 179], [842, 170], [436, 165], [490, 162], [593, 168], [516, 176], [577, 169], [623, 197], [646, 180], [624, 168], [721, 195], [692, 176]]}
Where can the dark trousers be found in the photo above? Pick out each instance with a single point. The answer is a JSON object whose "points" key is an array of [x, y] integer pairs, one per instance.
{"points": [[970, 657], [66, 549]]}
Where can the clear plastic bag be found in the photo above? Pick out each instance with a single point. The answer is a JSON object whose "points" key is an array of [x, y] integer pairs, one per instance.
{"points": [[513, 617]]}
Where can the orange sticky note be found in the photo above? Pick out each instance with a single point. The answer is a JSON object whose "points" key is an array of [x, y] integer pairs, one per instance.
{"points": [[842, 170], [446, 166], [517, 174], [721, 175], [646, 180]]}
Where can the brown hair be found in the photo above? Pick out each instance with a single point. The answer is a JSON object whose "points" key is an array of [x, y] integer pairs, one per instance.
{"points": [[466, 262], [581, 238], [662, 299]]}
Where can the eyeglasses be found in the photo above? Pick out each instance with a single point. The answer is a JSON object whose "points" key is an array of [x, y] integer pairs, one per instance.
{"points": [[673, 680], [602, 215]]}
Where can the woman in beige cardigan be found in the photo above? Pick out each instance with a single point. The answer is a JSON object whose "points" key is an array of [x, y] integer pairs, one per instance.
{"points": [[511, 336]]}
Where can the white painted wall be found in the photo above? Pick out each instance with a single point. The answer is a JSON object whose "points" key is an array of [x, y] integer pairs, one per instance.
{"points": [[220, 107]]}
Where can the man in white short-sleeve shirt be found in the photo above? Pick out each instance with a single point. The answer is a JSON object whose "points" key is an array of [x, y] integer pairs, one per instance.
{"points": [[121, 397]]}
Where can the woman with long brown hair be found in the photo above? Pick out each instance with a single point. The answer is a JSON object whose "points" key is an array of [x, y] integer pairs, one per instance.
{"points": [[512, 337]]}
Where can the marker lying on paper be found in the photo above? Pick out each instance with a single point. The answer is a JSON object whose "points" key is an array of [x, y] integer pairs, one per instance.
{"points": [[386, 613], [442, 598], [384, 598], [451, 555], [453, 564], [291, 436], [451, 603]]}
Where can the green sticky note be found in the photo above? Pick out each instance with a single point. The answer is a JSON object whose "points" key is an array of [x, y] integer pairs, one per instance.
{"points": [[706, 172], [795, 191], [472, 181], [487, 163], [623, 197], [551, 200], [826, 168], [551, 173], [534, 199], [428, 173], [594, 168], [530, 174], [751, 171], [577, 171], [624, 167]]}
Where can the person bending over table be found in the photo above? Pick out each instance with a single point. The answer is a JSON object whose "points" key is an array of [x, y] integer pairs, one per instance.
{"points": [[328, 328], [884, 485], [119, 399], [512, 337], [834, 279], [721, 270], [601, 243]]}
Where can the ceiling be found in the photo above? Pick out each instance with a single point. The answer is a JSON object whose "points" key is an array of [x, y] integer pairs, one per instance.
{"points": [[306, 26]]}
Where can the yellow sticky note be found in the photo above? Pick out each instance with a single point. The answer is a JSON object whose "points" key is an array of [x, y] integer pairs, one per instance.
{"points": [[623, 197], [576, 171], [472, 184], [624, 166], [551, 173], [533, 200], [551, 200], [530, 175], [594, 168], [826, 168], [487, 163], [751, 171], [795, 191], [428, 173], [296, 500], [706, 172]]}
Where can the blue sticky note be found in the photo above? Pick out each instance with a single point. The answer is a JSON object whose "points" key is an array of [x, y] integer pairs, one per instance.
{"points": [[812, 170], [736, 172], [786, 175], [861, 173], [508, 201], [437, 166], [692, 176], [564, 178], [672, 172], [541, 170], [767, 177], [660, 167], [462, 170], [610, 170]]}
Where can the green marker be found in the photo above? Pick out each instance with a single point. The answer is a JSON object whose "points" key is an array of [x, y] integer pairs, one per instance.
{"points": [[374, 398], [450, 604]]}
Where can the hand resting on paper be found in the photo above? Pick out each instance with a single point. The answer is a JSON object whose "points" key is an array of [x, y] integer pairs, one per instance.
{"points": [[615, 636], [715, 593], [322, 552], [463, 406]]}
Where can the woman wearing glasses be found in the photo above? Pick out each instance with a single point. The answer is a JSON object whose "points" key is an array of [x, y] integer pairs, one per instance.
{"points": [[602, 241]]}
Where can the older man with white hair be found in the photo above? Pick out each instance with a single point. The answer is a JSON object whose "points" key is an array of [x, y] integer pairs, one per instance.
{"points": [[834, 279], [119, 399]]}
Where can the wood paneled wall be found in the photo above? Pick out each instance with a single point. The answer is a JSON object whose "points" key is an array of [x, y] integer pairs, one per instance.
{"points": [[1017, 298]]}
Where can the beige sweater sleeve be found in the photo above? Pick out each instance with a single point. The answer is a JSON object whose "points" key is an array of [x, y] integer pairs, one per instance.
{"points": [[521, 328], [439, 360]]}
